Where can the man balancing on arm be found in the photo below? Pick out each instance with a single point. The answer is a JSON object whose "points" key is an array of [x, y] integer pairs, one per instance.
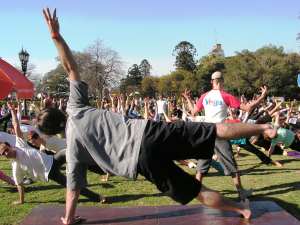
{"points": [[127, 147]]}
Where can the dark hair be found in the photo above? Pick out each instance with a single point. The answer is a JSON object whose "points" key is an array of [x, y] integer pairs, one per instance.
{"points": [[33, 135], [51, 121], [177, 113], [32, 146]]}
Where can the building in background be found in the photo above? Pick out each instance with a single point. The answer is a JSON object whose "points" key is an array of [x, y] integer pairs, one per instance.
{"points": [[217, 50]]}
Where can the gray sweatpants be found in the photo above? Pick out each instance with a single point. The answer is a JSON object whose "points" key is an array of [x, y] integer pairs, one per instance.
{"points": [[224, 152]]}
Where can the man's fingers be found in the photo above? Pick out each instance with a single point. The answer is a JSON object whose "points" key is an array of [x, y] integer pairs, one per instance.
{"points": [[54, 14], [49, 14], [45, 15]]}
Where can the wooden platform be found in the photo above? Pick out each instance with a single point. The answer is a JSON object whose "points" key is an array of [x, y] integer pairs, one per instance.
{"points": [[264, 213]]}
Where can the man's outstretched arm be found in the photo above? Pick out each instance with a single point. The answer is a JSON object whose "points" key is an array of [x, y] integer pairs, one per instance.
{"points": [[64, 51], [70, 67]]}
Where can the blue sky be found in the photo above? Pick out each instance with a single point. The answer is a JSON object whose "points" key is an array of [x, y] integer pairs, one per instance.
{"points": [[147, 29]]}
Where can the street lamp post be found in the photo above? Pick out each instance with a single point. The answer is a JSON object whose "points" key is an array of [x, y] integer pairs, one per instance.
{"points": [[24, 57]]}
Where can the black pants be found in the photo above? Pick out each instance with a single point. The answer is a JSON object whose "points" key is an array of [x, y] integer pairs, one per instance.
{"points": [[223, 150], [295, 145], [55, 174], [163, 143], [251, 148]]}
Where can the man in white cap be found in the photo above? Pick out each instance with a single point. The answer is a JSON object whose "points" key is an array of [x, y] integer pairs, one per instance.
{"points": [[215, 104]]}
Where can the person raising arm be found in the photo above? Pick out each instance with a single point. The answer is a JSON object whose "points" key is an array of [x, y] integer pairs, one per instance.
{"points": [[128, 147], [71, 68]]}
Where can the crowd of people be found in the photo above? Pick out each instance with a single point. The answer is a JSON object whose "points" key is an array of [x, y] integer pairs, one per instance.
{"points": [[127, 135]]}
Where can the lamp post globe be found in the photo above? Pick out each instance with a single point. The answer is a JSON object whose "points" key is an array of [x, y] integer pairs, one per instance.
{"points": [[24, 58]]}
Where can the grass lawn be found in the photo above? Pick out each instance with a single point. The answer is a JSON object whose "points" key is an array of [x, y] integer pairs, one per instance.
{"points": [[281, 185]]}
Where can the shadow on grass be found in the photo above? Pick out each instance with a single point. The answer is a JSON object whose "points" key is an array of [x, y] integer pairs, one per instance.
{"points": [[102, 185], [10, 189], [42, 188], [110, 199], [60, 201], [271, 190], [269, 171], [283, 188], [254, 170], [34, 187], [131, 197], [48, 201], [289, 160]]}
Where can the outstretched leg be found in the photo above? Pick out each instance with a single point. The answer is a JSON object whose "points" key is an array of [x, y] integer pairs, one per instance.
{"points": [[230, 131]]}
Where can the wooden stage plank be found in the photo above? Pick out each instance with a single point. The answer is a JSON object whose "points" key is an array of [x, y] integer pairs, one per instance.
{"points": [[264, 213]]}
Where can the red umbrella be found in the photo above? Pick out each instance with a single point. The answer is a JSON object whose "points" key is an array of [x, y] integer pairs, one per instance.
{"points": [[12, 79]]}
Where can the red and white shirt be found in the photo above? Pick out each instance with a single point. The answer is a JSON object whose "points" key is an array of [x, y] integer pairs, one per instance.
{"points": [[215, 104]]}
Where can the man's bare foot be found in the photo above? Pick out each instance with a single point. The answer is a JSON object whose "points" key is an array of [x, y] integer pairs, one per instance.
{"points": [[246, 211], [75, 220]]}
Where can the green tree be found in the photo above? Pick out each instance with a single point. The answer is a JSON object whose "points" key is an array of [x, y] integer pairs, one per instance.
{"points": [[206, 66], [100, 67], [243, 74], [164, 85], [145, 68], [269, 65], [176, 82], [133, 80], [55, 82], [134, 75], [149, 86], [185, 53]]}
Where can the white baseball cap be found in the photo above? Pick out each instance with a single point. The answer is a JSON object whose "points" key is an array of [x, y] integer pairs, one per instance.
{"points": [[216, 75]]}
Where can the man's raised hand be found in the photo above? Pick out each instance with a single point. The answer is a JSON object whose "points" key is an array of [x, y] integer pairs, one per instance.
{"points": [[264, 90], [186, 94], [52, 22]]}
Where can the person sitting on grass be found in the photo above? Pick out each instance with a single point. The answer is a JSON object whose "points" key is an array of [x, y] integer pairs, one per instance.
{"points": [[35, 164], [128, 147]]}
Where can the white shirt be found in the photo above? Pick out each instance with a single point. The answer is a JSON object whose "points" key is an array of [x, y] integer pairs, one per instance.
{"points": [[161, 106], [30, 162], [215, 103]]}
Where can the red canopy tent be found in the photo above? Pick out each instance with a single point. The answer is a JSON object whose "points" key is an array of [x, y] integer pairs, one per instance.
{"points": [[12, 80]]}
